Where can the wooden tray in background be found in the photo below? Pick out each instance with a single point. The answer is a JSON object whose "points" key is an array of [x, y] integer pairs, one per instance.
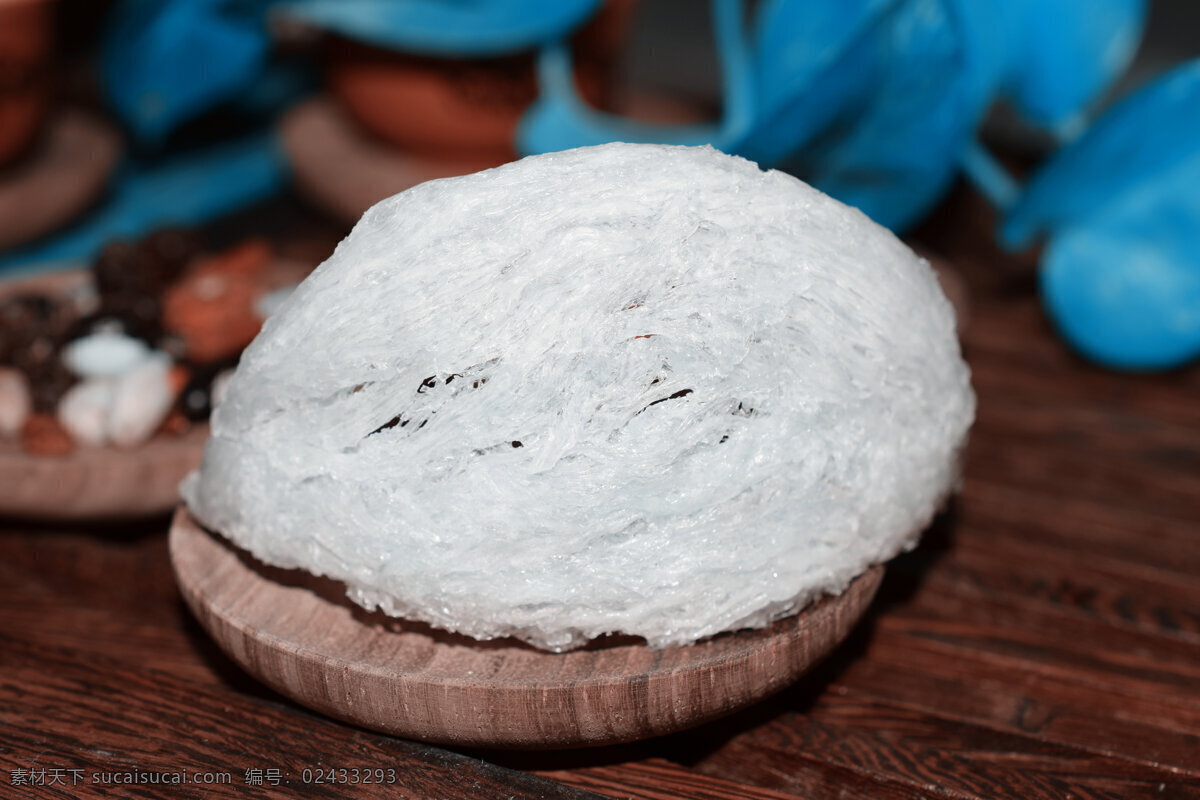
{"points": [[102, 482], [98, 482], [92, 482]]}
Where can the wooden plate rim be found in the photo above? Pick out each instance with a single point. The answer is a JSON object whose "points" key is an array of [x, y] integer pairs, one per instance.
{"points": [[236, 632]]}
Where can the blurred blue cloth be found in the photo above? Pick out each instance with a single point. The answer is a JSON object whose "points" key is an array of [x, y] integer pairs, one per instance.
{"points": [[451, 28], [812, 64], [166, 61], [163, 63], [1121, 210], [560, 119], [1064, 54], [896, 149], [876, 102], [188, 189]]}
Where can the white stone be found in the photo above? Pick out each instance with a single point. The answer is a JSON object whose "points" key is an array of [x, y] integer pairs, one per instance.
{"points": [[86, 408], [105, 354], [141, 401], [731, 393], [16, 401]]}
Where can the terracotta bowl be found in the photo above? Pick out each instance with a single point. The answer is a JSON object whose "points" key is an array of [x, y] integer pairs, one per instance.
{"points": [[443, 106], [25, 49], [59, 178], [345, 170]]}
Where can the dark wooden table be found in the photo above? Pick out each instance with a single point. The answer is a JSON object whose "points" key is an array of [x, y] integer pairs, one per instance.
{"points": [[1043, 642]]}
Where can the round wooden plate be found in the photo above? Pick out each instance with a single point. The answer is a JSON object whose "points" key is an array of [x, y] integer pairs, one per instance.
{"points": [[57, 180], [302, 637]]}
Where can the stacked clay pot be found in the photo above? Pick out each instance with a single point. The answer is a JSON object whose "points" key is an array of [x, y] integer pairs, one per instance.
{"points": [[25, 51], [453, 107]]}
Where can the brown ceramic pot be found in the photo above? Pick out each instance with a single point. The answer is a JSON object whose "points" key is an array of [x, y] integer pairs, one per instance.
{"points": [[443, 106], [25, 49]]}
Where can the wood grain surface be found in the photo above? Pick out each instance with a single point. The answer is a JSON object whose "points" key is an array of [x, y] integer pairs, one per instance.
{"points": [[1043, 641], [300, 636]]}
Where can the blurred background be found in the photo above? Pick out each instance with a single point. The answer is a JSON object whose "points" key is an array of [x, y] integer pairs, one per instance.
{"points": [[182, 111], [170, 168]]}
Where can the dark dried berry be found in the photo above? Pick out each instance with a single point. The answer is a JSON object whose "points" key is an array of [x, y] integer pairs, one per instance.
{"points": [[29, 311], [25, 321], [146, 268], [172, 249], [15, 339], [48, 382], [136, 316], [9, 341], [142, 312], [195, 401], [32, 351], [120, 269]]}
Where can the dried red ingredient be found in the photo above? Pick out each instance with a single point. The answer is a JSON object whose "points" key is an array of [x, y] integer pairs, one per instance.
{"points": [[42, 435], [176, 424], [212, 308], [177, 379]]}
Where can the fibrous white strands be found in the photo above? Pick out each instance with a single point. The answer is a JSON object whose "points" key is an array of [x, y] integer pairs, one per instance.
{"points": [[630, 388]]}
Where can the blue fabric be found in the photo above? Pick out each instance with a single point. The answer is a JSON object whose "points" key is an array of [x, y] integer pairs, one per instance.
{"points": [[1064, 54], [761, 116], [1121, 210], [873, 101], [813, 63], [1136, 144], [1124, 290], [889, 122], [447, 27], [899, 151], [188, 189], [560, 119], [165, 61]]}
